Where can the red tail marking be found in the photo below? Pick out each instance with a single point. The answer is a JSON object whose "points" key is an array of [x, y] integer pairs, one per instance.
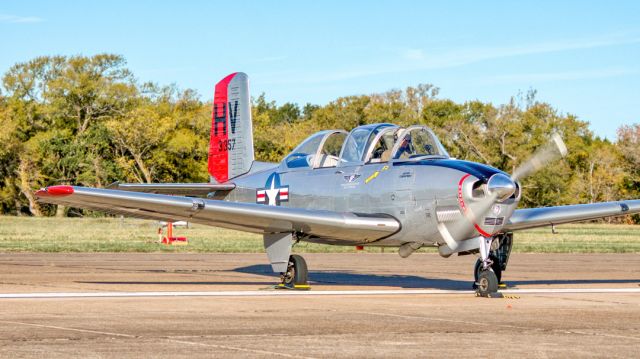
{"points": [[55, 191], [218, 155]]}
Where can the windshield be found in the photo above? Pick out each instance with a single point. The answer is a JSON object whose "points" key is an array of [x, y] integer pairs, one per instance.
{"points": [[359, 141], [419, 142], [355, 145]]}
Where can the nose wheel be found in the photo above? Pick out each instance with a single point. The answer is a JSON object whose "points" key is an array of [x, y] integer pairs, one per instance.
{"points": [[487, 283], [495, 266], [296, 276]]}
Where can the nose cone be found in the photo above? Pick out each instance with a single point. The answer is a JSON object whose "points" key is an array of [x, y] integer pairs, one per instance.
{"points": [[501, 187]]}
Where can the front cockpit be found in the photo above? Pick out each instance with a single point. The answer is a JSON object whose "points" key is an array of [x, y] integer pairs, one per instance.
{"points": [[374, 143], [364, 140]]}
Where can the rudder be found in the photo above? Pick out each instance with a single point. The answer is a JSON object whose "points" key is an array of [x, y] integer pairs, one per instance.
{"points": [[231, 142]]}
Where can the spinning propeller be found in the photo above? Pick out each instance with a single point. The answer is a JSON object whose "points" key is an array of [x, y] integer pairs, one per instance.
{"points": [[488, 205], [501, 187]]}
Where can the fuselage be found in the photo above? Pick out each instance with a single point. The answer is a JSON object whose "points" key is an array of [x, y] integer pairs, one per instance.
{"points": [[418, 193]]}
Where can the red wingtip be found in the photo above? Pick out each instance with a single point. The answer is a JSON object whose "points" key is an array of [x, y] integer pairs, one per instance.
{"points": [[55, 191]]}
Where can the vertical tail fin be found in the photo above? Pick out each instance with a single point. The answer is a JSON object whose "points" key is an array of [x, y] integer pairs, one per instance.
{"points": [[231, 143]]}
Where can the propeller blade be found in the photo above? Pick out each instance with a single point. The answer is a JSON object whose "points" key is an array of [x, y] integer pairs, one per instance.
{"points": [[554, 150]]}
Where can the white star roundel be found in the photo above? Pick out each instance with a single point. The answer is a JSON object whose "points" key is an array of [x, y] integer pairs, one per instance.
{"points": [[273, 193]]}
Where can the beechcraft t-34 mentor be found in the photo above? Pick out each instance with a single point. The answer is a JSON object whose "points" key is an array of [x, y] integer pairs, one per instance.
{"points": [[378, 185]]}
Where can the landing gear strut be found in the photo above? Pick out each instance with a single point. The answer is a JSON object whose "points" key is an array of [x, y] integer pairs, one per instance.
{"points": [[296, 276], [494, 255]]}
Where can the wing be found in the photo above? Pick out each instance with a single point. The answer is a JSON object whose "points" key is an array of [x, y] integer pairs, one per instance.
{"points": [[184, 189], [546, 216], [248, 217]]}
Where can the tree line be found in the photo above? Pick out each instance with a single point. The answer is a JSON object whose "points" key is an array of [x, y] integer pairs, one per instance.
{"points": [[87, 121]]}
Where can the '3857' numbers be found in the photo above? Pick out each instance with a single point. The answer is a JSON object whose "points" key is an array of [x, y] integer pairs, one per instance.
{"points": [[226, 145]]}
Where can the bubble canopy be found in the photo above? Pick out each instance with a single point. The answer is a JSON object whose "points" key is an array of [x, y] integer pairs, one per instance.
{"points": [[373, 143]]}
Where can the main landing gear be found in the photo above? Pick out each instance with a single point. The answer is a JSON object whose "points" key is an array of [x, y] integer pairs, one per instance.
{"points": [[296, 276], [494, 256], [292, 267]]}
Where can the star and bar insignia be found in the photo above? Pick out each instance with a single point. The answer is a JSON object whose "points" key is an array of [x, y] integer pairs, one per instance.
{"points": [[273, 192]]}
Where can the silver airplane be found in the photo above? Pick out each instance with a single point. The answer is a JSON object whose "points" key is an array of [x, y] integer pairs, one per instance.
{"points": [[378, 185]]}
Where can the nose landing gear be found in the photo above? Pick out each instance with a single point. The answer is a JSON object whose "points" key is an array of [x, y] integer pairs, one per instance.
{"points": [[495, 267], [494, 255]]}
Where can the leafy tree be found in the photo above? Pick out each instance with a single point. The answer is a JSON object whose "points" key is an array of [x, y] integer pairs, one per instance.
{"points": [[85, 120], [56, 106], [629, 147]]}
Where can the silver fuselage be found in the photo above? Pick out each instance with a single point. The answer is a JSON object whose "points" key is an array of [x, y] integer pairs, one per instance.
{"points": [[410, 191]]}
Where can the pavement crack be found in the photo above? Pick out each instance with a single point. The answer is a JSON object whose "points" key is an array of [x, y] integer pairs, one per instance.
{"points": [[234, 348], [70, 329], [588, 300], [167, 339], [509, 326]]}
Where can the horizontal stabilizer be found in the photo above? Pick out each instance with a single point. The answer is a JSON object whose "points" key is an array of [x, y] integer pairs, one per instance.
{"points": [[185, 189]]}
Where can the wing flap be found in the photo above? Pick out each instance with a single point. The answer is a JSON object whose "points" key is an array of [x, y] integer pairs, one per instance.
{"points": [[240, 216], [546, 216], [185, 189]]}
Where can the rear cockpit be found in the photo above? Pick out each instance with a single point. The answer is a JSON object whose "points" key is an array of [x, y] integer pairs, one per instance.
{"points": [[374, 143], [319, 150]]}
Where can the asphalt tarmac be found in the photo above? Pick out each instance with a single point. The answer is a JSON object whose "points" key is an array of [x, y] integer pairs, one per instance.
{"points": [[360, 305]]}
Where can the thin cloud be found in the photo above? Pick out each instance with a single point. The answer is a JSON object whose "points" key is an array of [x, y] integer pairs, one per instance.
{"points": [[267, 59], [414, 54], [13, 19], [458, 58], [561, 76], [417, 59]]}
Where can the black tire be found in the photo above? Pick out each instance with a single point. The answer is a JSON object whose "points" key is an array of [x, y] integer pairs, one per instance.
{"points": [[487, 283], [297, 273], [497, 269]]}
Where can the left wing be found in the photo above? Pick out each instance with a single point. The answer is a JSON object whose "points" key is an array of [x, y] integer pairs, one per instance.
{"points": [[249, 217], [546, 216]]}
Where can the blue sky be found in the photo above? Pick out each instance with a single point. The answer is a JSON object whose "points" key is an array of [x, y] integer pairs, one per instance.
{"points": [[582, 57]]}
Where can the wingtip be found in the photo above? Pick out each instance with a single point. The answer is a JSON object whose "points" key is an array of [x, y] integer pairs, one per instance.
{"points": [[55, 191]]}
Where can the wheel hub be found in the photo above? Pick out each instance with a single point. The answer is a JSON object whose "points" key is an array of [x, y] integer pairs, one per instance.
{"points": [[484, 284], [289, 275]]}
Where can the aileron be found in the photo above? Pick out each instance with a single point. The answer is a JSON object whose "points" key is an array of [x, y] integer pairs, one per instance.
{"points": [[186, 189]]}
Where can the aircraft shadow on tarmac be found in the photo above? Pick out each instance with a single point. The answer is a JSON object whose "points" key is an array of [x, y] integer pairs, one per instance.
{"points": [[347, 278], [411, 281], [318, 277]]}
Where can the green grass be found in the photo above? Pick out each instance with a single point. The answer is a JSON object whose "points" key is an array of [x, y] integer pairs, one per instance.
{"points": [[580, 238], [29, 234]]}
